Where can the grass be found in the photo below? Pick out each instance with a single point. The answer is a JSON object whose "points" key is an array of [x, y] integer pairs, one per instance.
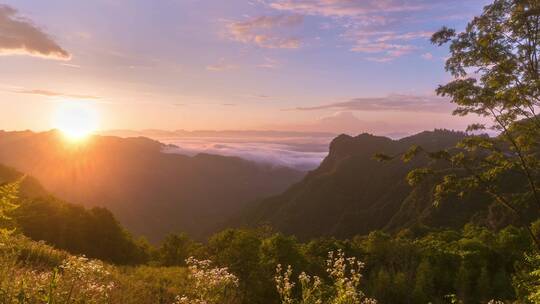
{"points": [[32, 272]]}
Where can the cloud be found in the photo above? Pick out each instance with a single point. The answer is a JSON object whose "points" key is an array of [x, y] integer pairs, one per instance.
{"points": [[347, 8], [427, 56], [261, 31], [385, 45], [261, 96], [397, 103], [48, 93], [19, 36], [299, 152], [347, 122], [221, 66], [382, 30], [268, 63], [71, 65]]}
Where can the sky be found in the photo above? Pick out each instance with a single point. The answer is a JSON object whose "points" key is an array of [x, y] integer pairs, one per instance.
{"points": [[342, 66]]}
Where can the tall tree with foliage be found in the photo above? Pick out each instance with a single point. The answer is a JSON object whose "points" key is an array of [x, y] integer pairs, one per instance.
{"points": [[176, 249], [494, 62], [8, 197]]}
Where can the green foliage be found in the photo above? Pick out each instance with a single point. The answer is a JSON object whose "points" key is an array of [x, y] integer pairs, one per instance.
{"points": [[32, 272], [176, 249], [30, 210], [474, 264], [95, 232], [411, 153], [416, 176], [502, 47], [424, 282], [527, 281], [8, 197], [239, 250]]}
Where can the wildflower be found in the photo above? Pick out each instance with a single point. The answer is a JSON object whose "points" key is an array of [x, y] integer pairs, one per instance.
{"points": [[210, 285], [345, 274]]}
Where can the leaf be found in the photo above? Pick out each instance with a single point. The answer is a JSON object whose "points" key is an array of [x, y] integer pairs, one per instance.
{"points": [[8, 197], [381, 157], [440, 155], [411, 153], [418, 175]]}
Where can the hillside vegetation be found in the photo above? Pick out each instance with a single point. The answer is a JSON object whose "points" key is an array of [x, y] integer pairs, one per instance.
{"points": [[353, 193], [473, 265], [94, 232]]}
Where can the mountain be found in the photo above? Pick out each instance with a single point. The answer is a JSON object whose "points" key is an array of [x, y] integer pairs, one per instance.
{"points": [[93, 232], [151, 192], [352, 193]]}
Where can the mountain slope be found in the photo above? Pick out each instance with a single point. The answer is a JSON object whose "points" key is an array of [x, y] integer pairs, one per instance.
{"points": [[92, 232], [351, 193], [152, 193]]}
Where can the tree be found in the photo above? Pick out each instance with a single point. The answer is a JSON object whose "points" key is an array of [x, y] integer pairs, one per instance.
{"points": [[483, 285], [464, 278], [501, 49], [176, 249], [527, 281], [423, 288], [8, 197], [382, 283], [239, 250]]}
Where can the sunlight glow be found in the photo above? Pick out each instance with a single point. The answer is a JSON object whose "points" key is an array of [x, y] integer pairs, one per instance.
{"points": [[76, 120]]}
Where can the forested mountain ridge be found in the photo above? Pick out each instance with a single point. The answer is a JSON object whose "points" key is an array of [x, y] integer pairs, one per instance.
{"points": [[93, 232], [152, 193], [352, 193]]}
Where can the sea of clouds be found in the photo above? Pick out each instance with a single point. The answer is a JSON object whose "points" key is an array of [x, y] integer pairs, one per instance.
{"points": [[301, 153]]}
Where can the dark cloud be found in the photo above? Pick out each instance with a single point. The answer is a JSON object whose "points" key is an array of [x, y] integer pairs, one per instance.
{"points": [[19, 35]]}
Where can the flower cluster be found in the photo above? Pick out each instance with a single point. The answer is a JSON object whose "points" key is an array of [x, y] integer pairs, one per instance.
{"points": [[284, 285], [209, 285], [344, 274], [77, 279], [89, 278]]}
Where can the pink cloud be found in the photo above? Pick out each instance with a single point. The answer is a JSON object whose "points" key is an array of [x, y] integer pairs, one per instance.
{"points": [[19, 36], [427, 56], [372, 26], [347, 8], [221, 66], [260, 31], [388, 45]]}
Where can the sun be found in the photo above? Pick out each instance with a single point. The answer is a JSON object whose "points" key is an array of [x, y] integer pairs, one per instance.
{"points": [[76, 120]]}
